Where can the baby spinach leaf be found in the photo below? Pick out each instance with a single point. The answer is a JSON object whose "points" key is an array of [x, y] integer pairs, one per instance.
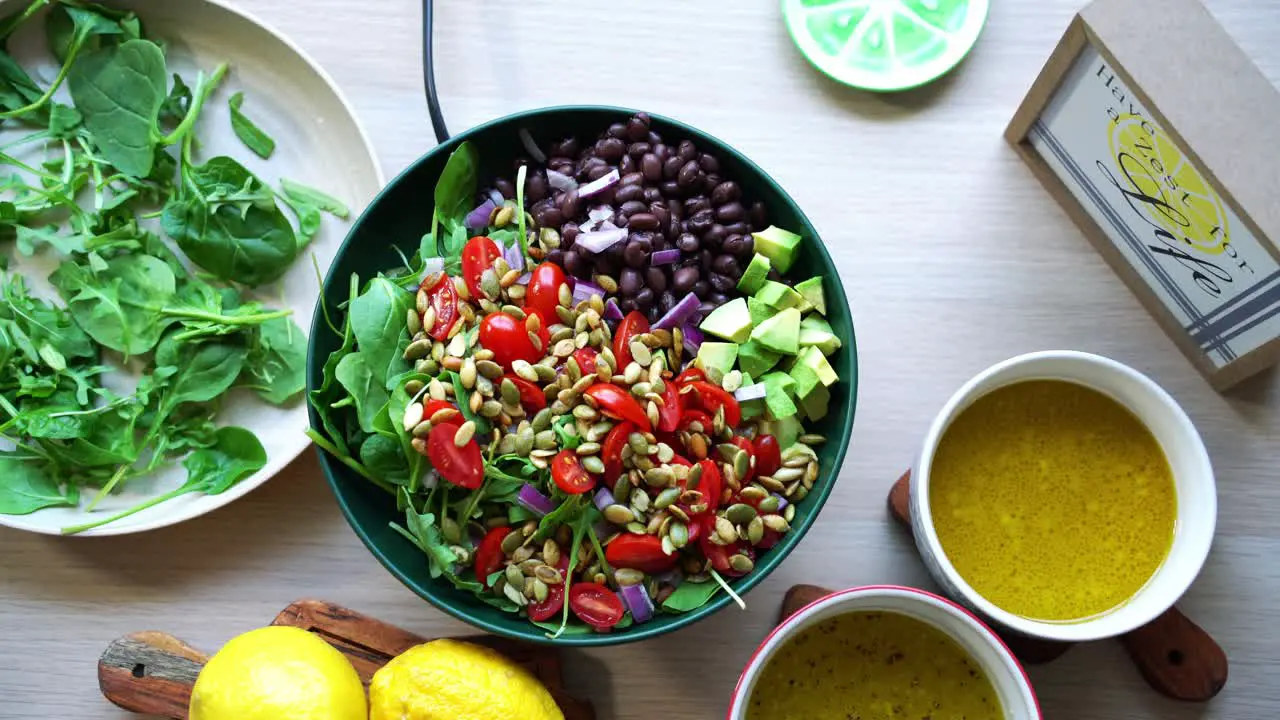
{"points": [[278, 360], [178, 103], [202, 371], [456, 188], [384, 458], [377, 319], [690, 596], [235, 455], [297, 192], [17, 89], [25, 487], [250, 134], [366, 390], [119, 89], [64, 120]]}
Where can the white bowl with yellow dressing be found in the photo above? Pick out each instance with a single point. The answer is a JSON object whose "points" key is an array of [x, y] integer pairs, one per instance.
{"points": [[1075, 495]]}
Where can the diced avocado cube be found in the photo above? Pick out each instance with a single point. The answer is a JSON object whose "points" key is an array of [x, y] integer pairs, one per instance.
{"points": [[786, 430], [746, 376], [778, 388], [806, 379], [780, 246], [718, 356], [778, 295], [752, 409], [760, 311], [755, 274], [817, 362], [816, 403], [780, 333], [731, 321], [815, 331], [755, 359], [811, 291]]}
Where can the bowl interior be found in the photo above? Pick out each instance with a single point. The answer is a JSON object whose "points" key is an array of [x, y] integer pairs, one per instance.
{"points": [[402, 214], [1006, 675], [1189, 461]]}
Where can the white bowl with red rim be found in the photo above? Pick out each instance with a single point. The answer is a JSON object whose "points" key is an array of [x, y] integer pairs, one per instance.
{"points": [[1010, 681]]}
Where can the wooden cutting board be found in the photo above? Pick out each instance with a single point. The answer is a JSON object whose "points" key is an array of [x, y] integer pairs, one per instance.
{"points": [[153, 673], [1175, 656]]}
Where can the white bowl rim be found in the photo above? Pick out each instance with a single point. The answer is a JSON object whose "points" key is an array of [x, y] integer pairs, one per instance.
{"points": [[901, 592], [1103, 626]]}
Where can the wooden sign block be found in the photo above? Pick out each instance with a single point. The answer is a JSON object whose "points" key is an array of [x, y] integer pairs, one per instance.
{"points": [[1158, 136]]}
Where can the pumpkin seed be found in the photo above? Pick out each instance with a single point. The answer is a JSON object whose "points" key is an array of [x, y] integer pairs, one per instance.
{"points": [[641, 389], [787, 474], [475, 402], [585, 412], [549, 238], [741, 563], [726, 531], [524, 439], [679, 534], [550, 552], [755, 531], [510, 393], [593, 464], [652, 412], [667, 498], [489, 369], [422, 302], [628, 576], [452, 363], [422, 429], [668, 547], [491, 408], [789, 514], [413, 321], [665, 453], [419, 445], [619, 514], [564, 348], [801, 492], [464, 433], [812, 439], [636, 528], [540, 590], [659, 477], [740, 513], [798, 461], [697, 446], [450, 530], [417, 349], [545, 440], [412, 415], [444, 415], [768, 505], [435, 389], [588, 448], [732, 381], [542, 421], [529, 566], [566, 296], [754, 494], [777, 523], [549, 575], [632, 373], [770, 483], [621, 489], [810, 475], [515, 596], [641, 352], [514, 576], [544, 373], [522, 553]]}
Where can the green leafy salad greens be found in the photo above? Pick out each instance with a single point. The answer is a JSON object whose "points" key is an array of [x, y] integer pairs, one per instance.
{"points": [[113, 143]]}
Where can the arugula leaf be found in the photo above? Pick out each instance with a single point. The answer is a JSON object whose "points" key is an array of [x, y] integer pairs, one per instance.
{"points": [[277, 361], [566, 432], [65, 23], [250, 134], [119, 305], [25, 488], [463, 396], [177, 103], [690, 596], [297, 192]]}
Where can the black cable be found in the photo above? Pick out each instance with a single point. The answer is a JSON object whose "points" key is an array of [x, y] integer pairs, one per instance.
{"points": [[429, 76]]}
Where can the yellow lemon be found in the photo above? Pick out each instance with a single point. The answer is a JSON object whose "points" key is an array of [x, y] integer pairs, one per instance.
{"points": [[451, 680], [278, 673]]}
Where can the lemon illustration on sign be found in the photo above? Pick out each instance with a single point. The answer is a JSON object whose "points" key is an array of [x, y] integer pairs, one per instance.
{"points": [[275, 673], [885, 44], [451, 680], [1157, 168]]}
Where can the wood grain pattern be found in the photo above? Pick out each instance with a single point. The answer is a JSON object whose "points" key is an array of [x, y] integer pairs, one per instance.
{"points": [[153, 673], [953, 256]]}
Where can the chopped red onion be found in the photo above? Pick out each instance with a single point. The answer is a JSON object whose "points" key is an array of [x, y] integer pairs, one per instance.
{"points": [[535, 502], [672, 577], [597, 241], [693, 338], [636, 598], [524, 279], [599, 184], [750, 392], [679, 314], [496, 197], [611, 310], [600, 213], [531, 147], [513, 256], [603, 498], [664, 257], [560, 181], [585, 289], [782, 502], [478, 219]]}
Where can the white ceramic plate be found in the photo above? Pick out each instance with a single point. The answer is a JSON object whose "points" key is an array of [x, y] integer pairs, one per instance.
{"points": [[319, 143]]}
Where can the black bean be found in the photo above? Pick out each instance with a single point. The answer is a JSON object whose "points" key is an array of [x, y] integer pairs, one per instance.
{"points": [[687, 174], [652, 194], [568, 207], [618, 130], [569, 147], [627, 165], [740, 245], [702, 289], [656, 278], [676, 205], [564, 166], [701, 221], [569, 234], [638, 127], [653, 314], [606, 264], [631, 178], [631, 207], [506, 187], [662, 150], [706, 307], [660, 211], [726, 192], [715, 235], [705, 258], [550, 217], [774, 275], [738, 228], [535, 187], [627, 304], [628, 193], [574, 263], [659, 241], [710, 182], [644, 221], [629, 282], [730, 212], [709, 163], [638, 150], [687, 151], [651, 166], [636, 252], [758, 216], [654, 138], [666, 301], [717, 298], [596, 172], [696, 204], [726, 265], [670, 188], [683, 280], [688, 242], [671, 167], [644, 298]]}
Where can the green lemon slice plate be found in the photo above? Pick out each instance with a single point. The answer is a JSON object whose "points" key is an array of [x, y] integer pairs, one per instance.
{"points": [[885, 45]]}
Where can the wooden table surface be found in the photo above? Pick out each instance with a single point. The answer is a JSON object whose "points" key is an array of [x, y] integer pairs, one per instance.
{"points": [[954, 258]]}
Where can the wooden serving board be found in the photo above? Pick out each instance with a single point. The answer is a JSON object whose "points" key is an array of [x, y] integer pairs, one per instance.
{"points": [[1175, 656], [153, 673]]}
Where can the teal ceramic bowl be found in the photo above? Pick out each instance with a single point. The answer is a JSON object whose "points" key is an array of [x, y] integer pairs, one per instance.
{"points": [[399, 217]]}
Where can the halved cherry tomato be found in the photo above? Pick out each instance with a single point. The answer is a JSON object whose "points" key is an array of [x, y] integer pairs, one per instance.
{"points": [[544, 290], [635, 323], [531, 396], [689, 415], [586, 359], [768, 455], [639, 552], [611, 451], [570, 476], [719, 555], [462, 466], [714, 397], [509, 340], [689, 375], [678, 459], [549, 608], [770, 538], [750, 450], [710, 484], [669, 413], [618, 403], [596, 605], [489, 555], [444, 301], [477, 256], [434, 406]]}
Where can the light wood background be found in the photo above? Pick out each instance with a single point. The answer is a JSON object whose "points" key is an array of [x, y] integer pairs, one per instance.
{"points": [[954, 258]]}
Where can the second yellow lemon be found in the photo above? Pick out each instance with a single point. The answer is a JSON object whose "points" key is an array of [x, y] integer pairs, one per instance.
{"points": [[451, 680]]}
